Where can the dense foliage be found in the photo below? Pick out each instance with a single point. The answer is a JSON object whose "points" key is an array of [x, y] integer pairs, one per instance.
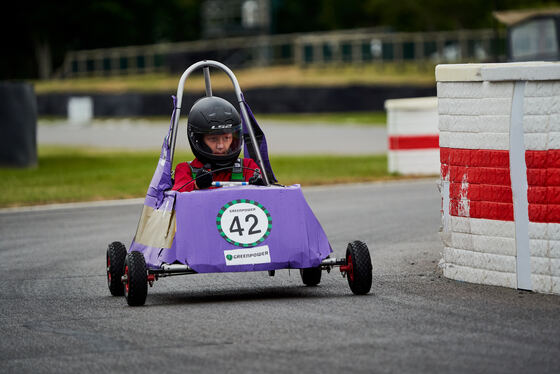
{"points": [[46, 30]]}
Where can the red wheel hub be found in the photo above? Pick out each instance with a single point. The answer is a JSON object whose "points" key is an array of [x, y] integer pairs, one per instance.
{"points": [[348, 268], [109, 269], [126, 285]]}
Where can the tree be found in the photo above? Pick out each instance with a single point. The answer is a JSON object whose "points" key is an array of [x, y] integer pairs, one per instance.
{"points": [[42, 32], [48, 30]]}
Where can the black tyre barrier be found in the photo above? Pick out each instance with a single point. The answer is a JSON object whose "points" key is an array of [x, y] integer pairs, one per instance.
{"points": [[18, 125], [262, 100]]}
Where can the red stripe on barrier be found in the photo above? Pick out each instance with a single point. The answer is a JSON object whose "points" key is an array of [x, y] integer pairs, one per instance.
{"points": [[481, 209], [444, 171], [480, 175], [480, 184], [543, 177], [543, 180], [474, 157], [490, 210], [444, 155], [544, 213], [543, 195], [543, 159], [482, 192], [399, 142], [552, 177], [536, 177]]}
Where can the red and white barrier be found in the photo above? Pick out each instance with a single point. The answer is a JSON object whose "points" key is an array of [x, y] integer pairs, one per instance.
{"points": [[500, 169], [412, 129]]}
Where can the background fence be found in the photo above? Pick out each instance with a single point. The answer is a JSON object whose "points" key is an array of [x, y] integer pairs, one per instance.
{"points": [[341, 47]]}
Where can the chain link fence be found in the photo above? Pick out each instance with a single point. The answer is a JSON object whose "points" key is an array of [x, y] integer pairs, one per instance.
{"points": [[360, 46]]}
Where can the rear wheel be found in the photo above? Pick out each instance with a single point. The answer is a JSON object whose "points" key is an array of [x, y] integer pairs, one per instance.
{"points": [[358, 268], [136, 279], [311, 276], [116, 253]]}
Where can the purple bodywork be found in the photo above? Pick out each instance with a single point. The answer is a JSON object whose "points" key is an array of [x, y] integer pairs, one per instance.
{"points": [[295, 238]]}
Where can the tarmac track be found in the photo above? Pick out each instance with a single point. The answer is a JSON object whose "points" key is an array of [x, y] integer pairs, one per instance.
{"points": [[56, 314], [282, 138]]}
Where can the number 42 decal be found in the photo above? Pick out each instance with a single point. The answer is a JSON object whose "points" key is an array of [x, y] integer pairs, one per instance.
{"points": [[236, 226], [244, 223]]}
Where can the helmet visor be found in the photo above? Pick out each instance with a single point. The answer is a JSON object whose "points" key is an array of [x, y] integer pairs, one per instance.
{"points": [[217, 144]]}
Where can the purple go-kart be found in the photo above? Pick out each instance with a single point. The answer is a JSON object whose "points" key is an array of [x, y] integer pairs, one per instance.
{"points": [[238, 227]]}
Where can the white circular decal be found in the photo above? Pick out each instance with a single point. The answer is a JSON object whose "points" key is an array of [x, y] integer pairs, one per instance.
{"points": [[244, 223]]}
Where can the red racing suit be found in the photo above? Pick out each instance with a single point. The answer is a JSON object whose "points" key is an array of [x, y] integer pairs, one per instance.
{"points": [[183, 174]]}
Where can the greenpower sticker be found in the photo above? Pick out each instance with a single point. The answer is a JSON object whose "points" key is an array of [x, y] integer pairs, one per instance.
{"points": [[248, 256], [244, 223]]}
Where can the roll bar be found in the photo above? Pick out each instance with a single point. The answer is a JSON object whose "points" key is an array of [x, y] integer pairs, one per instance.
{"points": [[205, 65]]}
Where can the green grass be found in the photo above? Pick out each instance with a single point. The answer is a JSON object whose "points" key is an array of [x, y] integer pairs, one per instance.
{"points": [[345, 118], [72, 174], [290, 75], [317, 170]]}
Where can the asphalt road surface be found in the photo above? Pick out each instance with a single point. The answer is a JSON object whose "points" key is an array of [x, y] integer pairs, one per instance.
{"points": [[282, 138], [56, 314]]}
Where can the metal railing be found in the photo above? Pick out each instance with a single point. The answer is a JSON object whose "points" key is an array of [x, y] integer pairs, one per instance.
{"points": [[338, 47]]}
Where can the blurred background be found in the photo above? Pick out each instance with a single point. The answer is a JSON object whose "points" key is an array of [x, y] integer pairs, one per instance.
{"points": [[66, 39], [317, 73], [143, 46]]}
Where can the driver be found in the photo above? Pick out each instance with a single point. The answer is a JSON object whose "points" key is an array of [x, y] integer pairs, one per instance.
{"points": [[215, 135]]}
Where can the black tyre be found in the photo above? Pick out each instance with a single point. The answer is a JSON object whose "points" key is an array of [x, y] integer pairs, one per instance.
{"points": [[311, 276], [116, 252], [359, 273], [136, 285]]}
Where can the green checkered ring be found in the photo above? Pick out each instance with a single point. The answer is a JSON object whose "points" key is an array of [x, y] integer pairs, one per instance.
{"points": [[233, 202]]}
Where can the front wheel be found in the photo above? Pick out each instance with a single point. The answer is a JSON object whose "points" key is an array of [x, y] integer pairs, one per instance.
{"points": [[116, 253], [136, 279], [311, 276], [358, 267]]}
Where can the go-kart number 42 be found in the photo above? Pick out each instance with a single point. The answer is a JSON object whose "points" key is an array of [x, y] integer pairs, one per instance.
{"points": [[244, 223]]}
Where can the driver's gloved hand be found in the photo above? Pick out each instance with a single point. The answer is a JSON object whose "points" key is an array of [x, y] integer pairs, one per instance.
{"points": [[203, 179], [256, 179]]}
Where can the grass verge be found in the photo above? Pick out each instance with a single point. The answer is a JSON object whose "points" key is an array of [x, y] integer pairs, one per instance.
{"points": [[290, 75], [72, 174], [343, 118]]}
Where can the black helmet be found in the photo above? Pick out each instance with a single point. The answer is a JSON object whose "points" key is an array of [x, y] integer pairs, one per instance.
{"points": [[213, 116]]}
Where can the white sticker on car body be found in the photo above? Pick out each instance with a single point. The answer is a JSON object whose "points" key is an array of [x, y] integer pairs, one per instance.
{"points": [[247, 256]]}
